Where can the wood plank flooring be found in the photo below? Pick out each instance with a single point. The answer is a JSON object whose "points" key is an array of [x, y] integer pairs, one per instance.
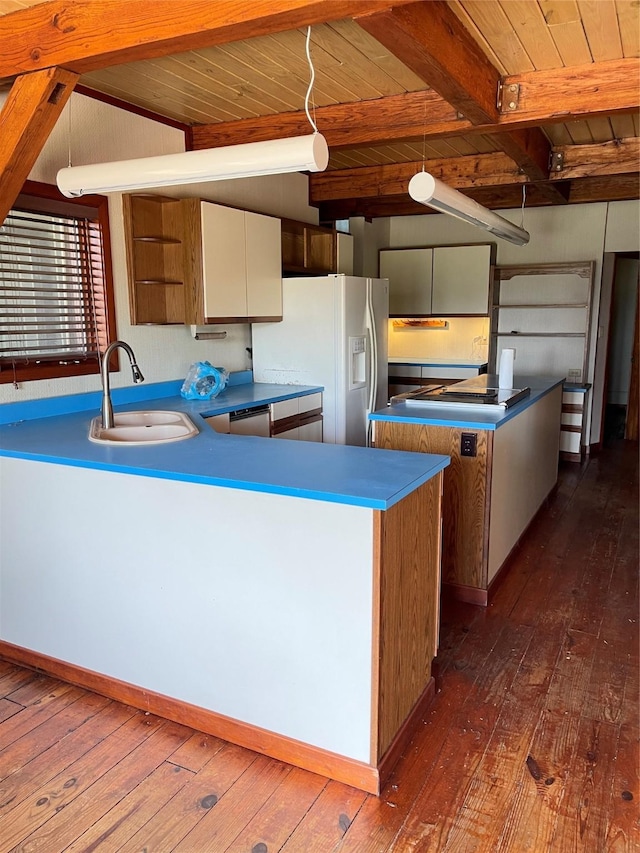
{"points": [[531, 745]]}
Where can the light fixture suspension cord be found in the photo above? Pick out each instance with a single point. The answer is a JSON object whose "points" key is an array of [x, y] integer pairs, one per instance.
{"points": [[524, 198], [310, 87], [69, 131], [424, 136]]}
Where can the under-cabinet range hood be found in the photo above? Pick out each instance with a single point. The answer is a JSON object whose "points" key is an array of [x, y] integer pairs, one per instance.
{"points": [[478, 391]]}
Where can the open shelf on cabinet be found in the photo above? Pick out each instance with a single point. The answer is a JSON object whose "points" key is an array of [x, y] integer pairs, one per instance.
{"points": [[154, 231]]}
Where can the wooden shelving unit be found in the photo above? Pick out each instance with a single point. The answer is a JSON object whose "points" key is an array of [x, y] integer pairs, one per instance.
{"points": [[154, 239], [555, 330]]}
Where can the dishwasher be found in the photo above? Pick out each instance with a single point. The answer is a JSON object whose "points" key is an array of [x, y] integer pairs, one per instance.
{"points": [[255, 421]]}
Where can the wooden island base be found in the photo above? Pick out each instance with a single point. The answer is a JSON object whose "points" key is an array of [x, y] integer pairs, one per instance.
{"points": [[491, 498]]}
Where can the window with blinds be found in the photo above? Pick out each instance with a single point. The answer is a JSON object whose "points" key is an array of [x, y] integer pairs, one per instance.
{"points": [[56, 295]]}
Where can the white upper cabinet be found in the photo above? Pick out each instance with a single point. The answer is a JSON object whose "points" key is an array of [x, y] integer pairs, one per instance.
{"points": [[461, 279], [193, 261], [241, 264], [410, 279], [264, 265], [442, 280]]}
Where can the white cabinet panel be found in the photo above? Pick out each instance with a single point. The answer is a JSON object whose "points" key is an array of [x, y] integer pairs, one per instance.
{"points": [[264, 266], [309, 402], [410, 279], [220, 423], [570, 442], [253, 424], [288, 418], [441, 280], [311, 431], [461, 277], [449, 372], [241, 263], [284, 409], [224, 270], [405, 370], [291, 434]]}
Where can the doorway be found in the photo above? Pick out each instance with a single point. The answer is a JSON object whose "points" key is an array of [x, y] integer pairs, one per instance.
{"points": [[620, 407]]}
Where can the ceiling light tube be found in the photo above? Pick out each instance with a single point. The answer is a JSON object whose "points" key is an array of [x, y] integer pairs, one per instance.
{"points": [[427, 190], [271, 157]]}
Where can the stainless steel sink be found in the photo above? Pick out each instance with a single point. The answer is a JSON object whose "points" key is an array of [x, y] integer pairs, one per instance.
{"points": [[145, 427]]}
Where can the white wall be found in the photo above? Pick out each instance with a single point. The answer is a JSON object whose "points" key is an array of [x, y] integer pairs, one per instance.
{"points": [[466, 337], [558, 234], [90, 131]]}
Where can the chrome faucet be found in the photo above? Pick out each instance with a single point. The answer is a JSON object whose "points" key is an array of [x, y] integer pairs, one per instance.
{"points": [[107, 409]]}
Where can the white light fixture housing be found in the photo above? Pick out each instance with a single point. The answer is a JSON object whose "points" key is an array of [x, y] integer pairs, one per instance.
{"points": [[272, 157], [427, 190]]}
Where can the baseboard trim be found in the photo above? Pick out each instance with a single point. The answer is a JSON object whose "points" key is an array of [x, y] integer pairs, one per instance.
{"points": [[567, 456], [406, 732], [316, 760], [468, 594]]}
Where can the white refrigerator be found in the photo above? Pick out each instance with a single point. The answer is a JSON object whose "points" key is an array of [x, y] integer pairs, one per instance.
{"points": [[333, 333]]}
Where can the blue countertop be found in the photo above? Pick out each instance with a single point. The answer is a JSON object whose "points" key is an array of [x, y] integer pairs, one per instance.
{"points": [[55, 431], [469, 416]]}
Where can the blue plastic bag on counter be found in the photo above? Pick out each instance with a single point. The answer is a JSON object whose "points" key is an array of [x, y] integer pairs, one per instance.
{"points": [[204, 381]]}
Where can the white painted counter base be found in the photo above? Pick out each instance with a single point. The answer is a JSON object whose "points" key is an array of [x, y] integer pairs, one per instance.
{"points": [[220, 628], [259, 610]]}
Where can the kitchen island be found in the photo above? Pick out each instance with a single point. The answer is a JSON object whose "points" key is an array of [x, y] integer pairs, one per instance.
{"points": [[278, 594], [504, 463]]}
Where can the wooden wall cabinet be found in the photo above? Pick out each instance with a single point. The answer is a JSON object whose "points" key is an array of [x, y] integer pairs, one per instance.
{"points": [[195, 262], [308, 249], [449, 280]]}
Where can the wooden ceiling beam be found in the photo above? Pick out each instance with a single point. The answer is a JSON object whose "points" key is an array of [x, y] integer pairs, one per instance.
{"points": [[605, 158], [583, 191], [430, 40], [486, 173], [345, 125], [426, 114], [573, 93], [475, 170], [86, 35], [30, 111]]}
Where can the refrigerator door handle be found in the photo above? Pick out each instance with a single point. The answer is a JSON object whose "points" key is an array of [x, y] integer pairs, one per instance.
{"points": [[373, 357]]}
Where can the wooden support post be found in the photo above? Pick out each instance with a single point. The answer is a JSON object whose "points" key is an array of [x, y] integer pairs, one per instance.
{"points": [[27, 118]]}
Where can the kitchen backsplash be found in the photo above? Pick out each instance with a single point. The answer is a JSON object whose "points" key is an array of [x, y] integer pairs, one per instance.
{"points": [[464, 337]]}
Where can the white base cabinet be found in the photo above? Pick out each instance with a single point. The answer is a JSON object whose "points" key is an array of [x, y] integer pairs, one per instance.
{"points": [[299, 419], [572, 425]]}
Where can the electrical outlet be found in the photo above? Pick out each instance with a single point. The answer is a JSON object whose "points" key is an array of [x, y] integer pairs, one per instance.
{"points": [[468, 444], [574, 375]]}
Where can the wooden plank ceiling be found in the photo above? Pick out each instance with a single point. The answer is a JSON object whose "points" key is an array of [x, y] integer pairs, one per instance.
{"points": [[489, 95]]}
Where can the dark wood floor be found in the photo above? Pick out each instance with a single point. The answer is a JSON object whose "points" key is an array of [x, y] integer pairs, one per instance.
{"points": [[531, 745]]}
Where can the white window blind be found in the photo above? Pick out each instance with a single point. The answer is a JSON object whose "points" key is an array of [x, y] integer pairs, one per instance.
{"points": [[52, 288]]}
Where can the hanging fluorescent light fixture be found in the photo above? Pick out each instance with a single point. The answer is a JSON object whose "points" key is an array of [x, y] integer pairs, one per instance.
{"points": [[427, 190], [308, 153], [271, 157]]}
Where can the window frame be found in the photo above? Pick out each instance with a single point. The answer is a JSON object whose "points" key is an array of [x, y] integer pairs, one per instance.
{"points": [[48, 199]]}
